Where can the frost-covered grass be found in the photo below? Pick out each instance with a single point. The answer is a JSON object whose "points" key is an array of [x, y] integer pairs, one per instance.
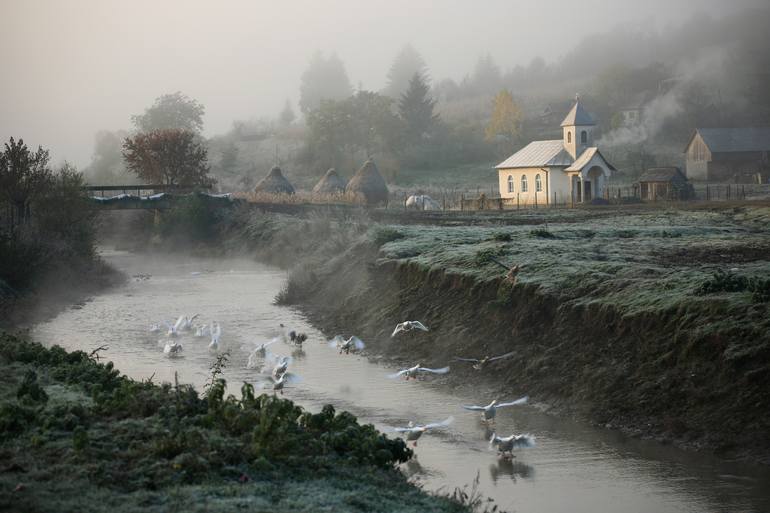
{"points": [[75, 435], [644, 261]]}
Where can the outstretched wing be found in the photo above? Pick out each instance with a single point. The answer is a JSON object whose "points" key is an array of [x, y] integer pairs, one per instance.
{"points": [[179, 323], [442, 370], [358, 343], [473, 408], [443, 423], [399, 329], [397, 374], [405, 430], [419, 326], [522, 400], [337, 341], [506, 355], [193, 318], [472, 360], [524, 441]]}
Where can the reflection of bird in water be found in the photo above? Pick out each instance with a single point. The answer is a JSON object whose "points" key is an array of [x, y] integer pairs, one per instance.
{"points": [[216, 332], [489, 411], [352, 344], [298, 353], [414, 432], [511, 468], [406, 326], [479, 364], [505, 446], [412, 372]]}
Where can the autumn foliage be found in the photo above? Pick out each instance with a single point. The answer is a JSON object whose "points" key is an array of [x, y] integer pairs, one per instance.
{"points": [[169, 157]]}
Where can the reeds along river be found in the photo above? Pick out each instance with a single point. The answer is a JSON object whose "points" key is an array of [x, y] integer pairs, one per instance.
{"points": [[573, 468]]}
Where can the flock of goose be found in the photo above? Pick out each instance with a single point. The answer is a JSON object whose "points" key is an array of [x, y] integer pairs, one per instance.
{"points": [[275, 372]]}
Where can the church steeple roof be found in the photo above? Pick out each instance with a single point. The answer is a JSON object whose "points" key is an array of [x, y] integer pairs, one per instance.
{"points": [[577, 116]]}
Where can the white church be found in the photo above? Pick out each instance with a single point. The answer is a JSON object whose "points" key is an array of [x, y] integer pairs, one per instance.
{"points": [[565, 171]]}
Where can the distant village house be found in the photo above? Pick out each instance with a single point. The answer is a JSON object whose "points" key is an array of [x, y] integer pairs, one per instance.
{"points": [[734, 155], [561, 171], [664, 183]]}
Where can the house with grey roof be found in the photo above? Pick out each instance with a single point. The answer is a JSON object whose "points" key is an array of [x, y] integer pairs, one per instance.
{"points": [[566, 170], [732, 155]]}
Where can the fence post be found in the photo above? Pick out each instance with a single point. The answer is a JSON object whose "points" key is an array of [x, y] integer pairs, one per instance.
{"points": [[462, 202], [517, 201], [535, 199], [708, 193], [500, 203]]}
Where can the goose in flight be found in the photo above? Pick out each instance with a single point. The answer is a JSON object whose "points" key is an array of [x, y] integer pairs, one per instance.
{"points": [[216, 332], [414, 432], [281, 364], [257, 352], [408, 326], [480, 364], [490, 411], [172, 348], [412, 372], [352, 344], [505, 446], [280, 382]]}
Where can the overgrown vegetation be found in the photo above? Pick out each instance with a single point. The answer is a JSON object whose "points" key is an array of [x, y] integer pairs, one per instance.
{"points": [[102, 433]]}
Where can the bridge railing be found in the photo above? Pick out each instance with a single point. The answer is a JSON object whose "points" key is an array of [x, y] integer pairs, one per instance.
{"points": [[140, 190]]}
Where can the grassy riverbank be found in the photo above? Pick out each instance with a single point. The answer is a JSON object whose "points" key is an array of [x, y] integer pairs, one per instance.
{"points": [[75, 435], [656, 322]]}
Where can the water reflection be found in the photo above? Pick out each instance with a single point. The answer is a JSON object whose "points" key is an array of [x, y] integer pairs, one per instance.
{"points": [[507, 467]]}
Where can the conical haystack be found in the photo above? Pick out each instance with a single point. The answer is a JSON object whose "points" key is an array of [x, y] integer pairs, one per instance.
{"points": [[274, 183], [368, 185], [331, 183]]}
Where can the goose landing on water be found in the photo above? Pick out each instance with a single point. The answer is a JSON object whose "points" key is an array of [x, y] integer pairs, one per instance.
{"points": [[259, 351], [172, 348], [505, 446], [412, 372], [489, 411], [352, 344], [216, 333], [406, 326], [414, 432]]}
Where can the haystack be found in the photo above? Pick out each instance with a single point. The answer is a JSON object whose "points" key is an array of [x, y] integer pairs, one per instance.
{"points": [[368, 185], [274, 183], [331, 183]]}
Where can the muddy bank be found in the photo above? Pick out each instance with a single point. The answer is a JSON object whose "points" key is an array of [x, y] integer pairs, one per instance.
{"points": [[650, 377], [653, 376]]}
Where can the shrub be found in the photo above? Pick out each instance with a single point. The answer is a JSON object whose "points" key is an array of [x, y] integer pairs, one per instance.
{"points": [[383, 235], [487, 255], [722, 281], [543, 233]]}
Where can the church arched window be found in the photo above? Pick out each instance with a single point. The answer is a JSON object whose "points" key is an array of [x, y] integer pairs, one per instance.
{"points": [[583, 137], [510, 183], [569, 137], [538, 184], [523, 183]]}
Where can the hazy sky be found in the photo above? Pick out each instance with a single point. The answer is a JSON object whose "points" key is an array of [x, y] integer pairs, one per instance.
{"points": [[72, 67]]}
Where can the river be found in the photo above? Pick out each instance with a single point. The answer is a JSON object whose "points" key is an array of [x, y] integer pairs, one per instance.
{"points": [[574, 467]]}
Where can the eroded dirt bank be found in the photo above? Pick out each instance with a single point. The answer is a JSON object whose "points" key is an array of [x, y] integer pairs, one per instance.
{"points": [[648, 375]]}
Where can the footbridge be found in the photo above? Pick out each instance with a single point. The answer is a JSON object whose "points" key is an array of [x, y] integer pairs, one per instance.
{"points": [[147, 197]]}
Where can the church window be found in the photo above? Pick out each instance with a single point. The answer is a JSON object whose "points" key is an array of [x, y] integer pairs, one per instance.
{"points": [[523, 183], [538, 184], [583, 137], [510, 183], [569, 137]]}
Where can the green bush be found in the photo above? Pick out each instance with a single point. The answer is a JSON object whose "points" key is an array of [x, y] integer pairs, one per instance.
{"points": [[543, 233], [382, 235], [722, 281]]}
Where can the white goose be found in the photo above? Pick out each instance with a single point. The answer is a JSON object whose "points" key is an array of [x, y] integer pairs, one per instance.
{"points": [[202, 331], [489, 411], [216, 332], [412, 372], [408, 326], [172, 348], [281, 365], [280, 382], [414, 432], [259, 352], [505, 446], [352, 344]]}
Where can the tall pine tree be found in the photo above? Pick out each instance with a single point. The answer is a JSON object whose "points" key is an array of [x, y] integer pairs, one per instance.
{"points": [[405, 65], [416, 109]]}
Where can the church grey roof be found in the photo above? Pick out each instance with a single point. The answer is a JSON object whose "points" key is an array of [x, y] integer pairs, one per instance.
{"points": [[538, 154], [726, 140], [577, 116]]}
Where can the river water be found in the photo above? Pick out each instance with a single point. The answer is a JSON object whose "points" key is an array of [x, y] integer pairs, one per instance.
{"points": [[574, 467]]}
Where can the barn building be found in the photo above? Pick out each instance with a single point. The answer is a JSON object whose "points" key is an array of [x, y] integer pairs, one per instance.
{"points": [[730, 155]]}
